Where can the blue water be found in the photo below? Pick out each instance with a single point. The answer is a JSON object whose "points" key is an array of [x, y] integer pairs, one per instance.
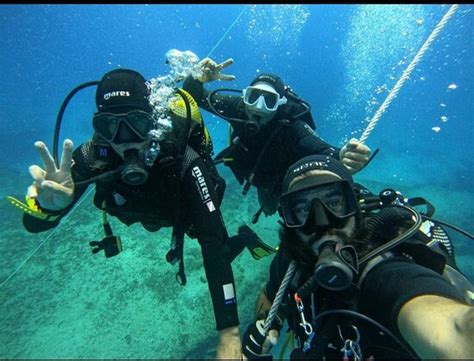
{"points": [[342, 59]]}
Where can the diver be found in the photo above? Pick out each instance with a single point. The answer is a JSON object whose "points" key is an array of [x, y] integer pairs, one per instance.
{"points": [[360, 276], [272, 127], [140, 176]]}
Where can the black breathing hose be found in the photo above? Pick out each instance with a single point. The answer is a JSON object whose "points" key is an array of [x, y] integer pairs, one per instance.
{"points": [[59, 118], [397, 240]]}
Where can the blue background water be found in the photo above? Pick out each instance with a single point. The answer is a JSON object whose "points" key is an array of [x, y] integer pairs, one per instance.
{"points": [[340, 58]]}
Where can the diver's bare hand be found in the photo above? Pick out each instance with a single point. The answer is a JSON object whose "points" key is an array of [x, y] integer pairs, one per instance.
{"points": [[229, 346], [212, 71], [53, 188], [354, 155]]}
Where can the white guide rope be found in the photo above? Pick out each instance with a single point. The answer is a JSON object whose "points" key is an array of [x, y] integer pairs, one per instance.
{"points": [[406, 73]]}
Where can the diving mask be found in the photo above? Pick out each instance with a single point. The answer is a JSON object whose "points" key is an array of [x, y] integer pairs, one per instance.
{"points": [[322, 205], [127, 127], [262, 97]]}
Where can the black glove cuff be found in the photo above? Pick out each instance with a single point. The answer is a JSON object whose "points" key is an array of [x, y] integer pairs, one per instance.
{"points": [[252, 341], [252, 356]]}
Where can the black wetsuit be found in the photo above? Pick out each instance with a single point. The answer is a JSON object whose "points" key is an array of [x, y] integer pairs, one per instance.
{"points": [[385, 289], [155, 204], [291, 142]]}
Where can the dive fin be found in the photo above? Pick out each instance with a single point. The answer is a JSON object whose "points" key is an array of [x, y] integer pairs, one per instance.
{"points": [[258, 249]]}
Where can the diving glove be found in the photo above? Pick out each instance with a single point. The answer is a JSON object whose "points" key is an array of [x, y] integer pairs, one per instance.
{"points": [[256, 345], [111, 245]]}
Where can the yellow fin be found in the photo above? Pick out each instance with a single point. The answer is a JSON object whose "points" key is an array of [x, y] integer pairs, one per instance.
{"points": [[31, 208]]}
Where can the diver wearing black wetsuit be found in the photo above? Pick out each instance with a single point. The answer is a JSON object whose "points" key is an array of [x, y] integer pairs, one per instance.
{"points": [[354, 268], [266, 151], [182, 191]]}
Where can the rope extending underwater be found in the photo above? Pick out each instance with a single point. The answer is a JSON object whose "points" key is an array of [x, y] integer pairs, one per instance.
{"points": [[44, 240], [406, 73], [281, 292], [227, 31]]}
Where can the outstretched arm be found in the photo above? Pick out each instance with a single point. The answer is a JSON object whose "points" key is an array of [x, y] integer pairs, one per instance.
{"points": [[308, 142], [226, 105], [421, 306], [437, 327]]}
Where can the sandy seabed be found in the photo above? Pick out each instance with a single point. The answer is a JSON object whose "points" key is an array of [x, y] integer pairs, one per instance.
{"points": [[60, 301]]}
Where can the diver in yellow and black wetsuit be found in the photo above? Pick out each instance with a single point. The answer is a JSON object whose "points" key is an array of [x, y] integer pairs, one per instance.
{"points": [[167, 180]]}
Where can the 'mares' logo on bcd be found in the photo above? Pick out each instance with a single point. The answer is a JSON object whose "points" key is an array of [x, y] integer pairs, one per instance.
{"points": [[203, 190]]}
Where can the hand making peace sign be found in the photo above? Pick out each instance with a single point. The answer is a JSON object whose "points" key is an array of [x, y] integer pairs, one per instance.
{"points": [[53, 188]]}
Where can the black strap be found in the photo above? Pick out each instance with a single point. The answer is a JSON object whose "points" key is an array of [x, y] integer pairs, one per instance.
{"points": [[257, 214], [178, 230], [181, 274], [224, 154], [108, 229]]}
